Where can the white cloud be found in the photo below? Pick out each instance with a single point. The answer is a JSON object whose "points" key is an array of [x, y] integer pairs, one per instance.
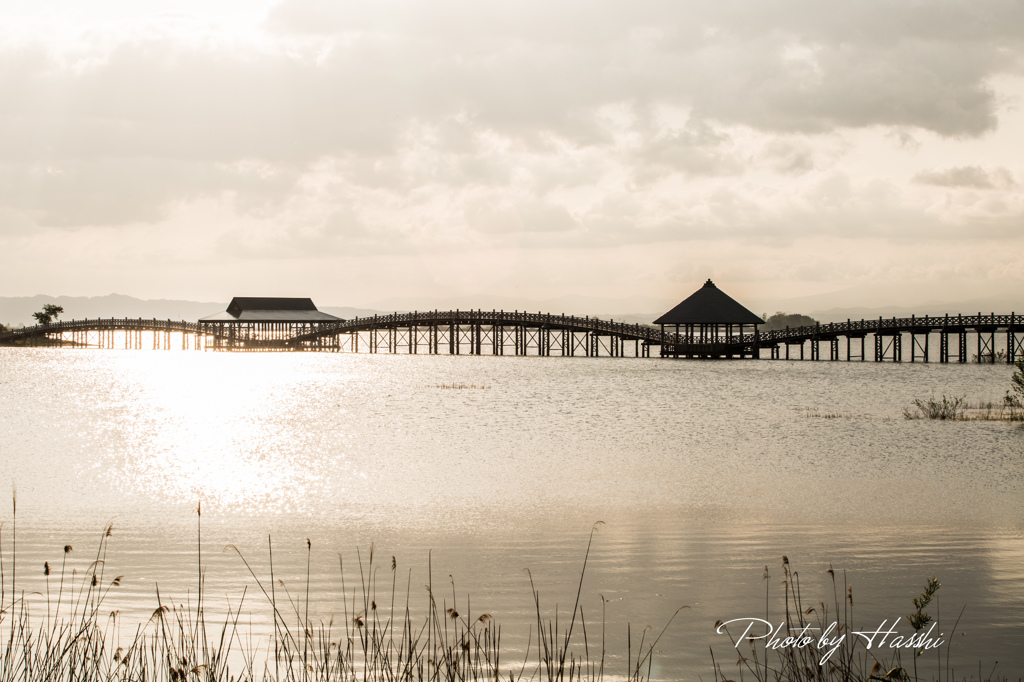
{"points": [[974, 177], [331, 130]]}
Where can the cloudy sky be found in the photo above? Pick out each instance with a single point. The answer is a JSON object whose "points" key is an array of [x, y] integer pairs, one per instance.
{"points": [[409, 153]]}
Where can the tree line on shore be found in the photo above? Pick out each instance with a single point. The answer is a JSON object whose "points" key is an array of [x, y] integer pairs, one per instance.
{"points": [[781, 320]]}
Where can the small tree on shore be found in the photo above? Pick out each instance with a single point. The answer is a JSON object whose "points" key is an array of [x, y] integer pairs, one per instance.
{"points": [[48, 314]]}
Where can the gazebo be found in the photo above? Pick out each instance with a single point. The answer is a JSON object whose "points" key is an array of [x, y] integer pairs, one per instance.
{"points": [[710, 324], [268, 324]]}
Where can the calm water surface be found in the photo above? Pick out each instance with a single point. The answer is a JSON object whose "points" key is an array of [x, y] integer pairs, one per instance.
{"points": [[703, 473]]}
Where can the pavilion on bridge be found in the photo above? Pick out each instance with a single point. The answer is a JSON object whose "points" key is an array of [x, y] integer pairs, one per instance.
{"points": [[710, 324], [268, 324]]}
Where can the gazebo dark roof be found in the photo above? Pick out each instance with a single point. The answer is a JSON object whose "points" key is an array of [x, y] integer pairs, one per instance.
{"points": [[709, 305], [253, 309]]}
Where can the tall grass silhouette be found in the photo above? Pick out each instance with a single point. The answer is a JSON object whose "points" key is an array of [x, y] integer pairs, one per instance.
{"points": [[68, 633]]}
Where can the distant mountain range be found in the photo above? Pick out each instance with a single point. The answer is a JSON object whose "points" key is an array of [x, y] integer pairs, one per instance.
{"points": [[18, 310], [826, 308]]}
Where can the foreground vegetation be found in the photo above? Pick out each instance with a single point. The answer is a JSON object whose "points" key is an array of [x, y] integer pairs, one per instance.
{"points": [[1011, 408], [68, 634]]}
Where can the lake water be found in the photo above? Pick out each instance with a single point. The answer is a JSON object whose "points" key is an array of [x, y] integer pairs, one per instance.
{"points": [[702, 472]]}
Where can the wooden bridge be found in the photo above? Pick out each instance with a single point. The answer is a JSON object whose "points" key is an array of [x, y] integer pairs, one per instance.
{"points": [[112, 332], [949, 338]]}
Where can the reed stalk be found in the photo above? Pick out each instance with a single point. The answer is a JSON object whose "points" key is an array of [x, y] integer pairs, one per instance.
{"points": [[74, 636]]}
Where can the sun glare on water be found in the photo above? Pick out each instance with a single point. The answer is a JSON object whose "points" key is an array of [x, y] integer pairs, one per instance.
{"points": [[221, 428]]}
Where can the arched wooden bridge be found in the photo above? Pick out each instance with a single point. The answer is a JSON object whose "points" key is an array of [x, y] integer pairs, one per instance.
{"points": [[478, 332], [106, 332]]}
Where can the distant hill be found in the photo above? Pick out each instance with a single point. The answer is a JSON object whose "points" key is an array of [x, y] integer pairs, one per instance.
{"points": [[347, 313], [972, 307], [870, 302], [17, 310], [783, 320]]}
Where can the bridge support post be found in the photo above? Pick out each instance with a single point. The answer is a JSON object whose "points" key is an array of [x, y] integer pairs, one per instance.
{"points": [[1011, 351], [918, 349], [986, 346], [1014, 341], [961, 332]]}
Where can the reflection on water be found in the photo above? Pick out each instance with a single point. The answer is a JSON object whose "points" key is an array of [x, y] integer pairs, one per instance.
{"points": [[704, 472]]}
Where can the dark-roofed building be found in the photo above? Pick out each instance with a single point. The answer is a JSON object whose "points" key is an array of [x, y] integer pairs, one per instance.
{"points": [[252, 323], [710, 323]]}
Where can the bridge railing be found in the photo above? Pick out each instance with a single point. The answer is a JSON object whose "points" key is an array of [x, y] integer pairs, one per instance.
{"points": [[494, 317], [894, 325]]}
